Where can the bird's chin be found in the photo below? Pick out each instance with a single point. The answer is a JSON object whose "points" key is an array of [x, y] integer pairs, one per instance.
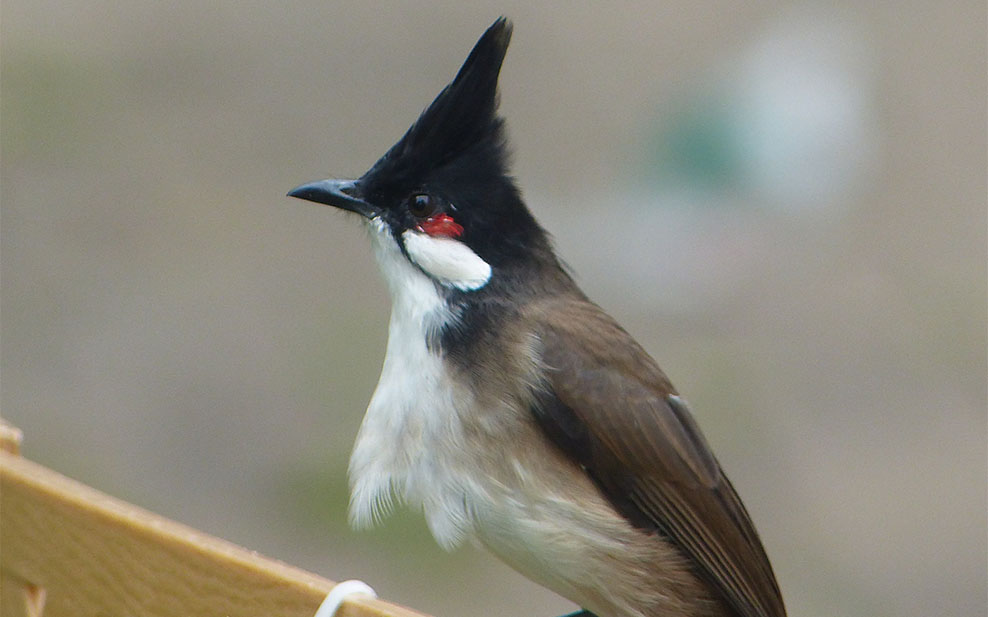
{"points": [[376, 227]]}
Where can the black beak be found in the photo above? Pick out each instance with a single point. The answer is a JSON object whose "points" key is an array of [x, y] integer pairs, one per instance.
{"points": [[340, 193]]}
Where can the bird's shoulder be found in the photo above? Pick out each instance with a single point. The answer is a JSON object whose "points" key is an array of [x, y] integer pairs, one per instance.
{"points": [[606, 404], [598, 376]]}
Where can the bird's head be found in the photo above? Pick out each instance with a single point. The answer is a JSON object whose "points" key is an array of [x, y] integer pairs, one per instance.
{"points": [[441, 198]]}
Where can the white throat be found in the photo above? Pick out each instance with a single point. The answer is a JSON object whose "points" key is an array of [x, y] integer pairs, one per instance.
{"points": [[412, 429]]}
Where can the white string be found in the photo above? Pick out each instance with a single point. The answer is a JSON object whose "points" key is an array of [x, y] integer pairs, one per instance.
{"points": [[339, 593]]}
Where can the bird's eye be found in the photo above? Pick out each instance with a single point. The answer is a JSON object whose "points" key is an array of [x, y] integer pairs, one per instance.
{"points": [[422, 205]]}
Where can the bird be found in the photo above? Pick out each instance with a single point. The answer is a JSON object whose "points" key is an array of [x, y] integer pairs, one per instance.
{"points": [[511, 409]]}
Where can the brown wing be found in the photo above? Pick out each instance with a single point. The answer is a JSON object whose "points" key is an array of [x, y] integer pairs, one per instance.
{"points": [[611, 408]]}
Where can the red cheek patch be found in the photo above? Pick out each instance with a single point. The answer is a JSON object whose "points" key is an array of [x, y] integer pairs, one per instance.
{"points": [[441, 225]]}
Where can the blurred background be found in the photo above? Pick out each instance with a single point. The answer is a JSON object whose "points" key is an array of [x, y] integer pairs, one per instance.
{"points": [[784, 202]]}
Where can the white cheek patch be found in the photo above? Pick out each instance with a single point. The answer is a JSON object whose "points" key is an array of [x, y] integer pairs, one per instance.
{"points": [[447, 260]]}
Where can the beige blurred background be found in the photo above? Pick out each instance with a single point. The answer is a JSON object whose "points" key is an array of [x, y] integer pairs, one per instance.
{"points": [[785, 202]]}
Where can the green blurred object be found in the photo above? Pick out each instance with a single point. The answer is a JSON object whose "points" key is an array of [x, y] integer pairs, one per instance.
{"points": [[696, 146]]}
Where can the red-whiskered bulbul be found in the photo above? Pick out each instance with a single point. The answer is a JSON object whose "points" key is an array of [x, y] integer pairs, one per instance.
{"points": [[513, 410]]}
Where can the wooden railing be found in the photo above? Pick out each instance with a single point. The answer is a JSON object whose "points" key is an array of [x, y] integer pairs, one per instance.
{"points": [[68, 550]]}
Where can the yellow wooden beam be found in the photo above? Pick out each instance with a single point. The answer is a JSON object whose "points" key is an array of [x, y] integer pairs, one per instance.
{"points": [[10, 438], [81, 553]]}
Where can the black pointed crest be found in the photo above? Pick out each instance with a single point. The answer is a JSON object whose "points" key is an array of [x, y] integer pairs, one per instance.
{"points": [[463, 115]]}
